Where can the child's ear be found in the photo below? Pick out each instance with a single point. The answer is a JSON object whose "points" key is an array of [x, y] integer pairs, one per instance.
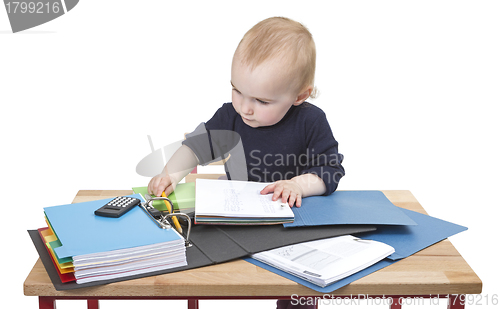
{"points": [[303, 95]]}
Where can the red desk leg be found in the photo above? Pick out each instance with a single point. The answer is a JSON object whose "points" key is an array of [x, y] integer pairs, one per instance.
{"points": [[454, 302], [193, 304], [92, 303], [46, 302], [395, 304]]}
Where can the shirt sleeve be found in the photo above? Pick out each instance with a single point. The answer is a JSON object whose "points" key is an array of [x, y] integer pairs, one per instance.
{"points": [[324, 160], [199, 142], [212, 141], [223, 119]]}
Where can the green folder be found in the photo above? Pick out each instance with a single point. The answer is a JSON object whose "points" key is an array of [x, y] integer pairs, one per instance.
{"points": [[183, 196]]}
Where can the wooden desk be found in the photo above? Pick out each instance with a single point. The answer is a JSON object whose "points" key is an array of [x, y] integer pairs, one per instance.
{"points": [[438, 269]]}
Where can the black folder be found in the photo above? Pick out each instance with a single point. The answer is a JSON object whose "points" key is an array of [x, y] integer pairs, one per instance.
{"points": [[213, 244]]}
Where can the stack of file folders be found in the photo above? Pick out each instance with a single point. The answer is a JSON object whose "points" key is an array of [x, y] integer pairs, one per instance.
{"points": [[87, 248]]}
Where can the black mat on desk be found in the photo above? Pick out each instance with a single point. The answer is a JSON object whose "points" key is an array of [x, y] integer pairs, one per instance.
{"points": [[216, 244]]}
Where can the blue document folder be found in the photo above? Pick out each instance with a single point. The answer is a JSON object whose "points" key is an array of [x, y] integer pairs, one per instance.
{"points": [[330, 288], [406, 240], [349, 207], [82, 232]]}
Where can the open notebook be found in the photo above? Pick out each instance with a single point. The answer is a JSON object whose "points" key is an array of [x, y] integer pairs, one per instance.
{"points": [[237, 203]]}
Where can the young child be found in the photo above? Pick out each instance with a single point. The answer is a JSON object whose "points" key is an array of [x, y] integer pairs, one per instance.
{"points": [[286, 140]]}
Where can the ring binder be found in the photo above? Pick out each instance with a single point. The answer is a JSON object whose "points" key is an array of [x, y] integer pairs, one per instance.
{"points": [[163, 221]]}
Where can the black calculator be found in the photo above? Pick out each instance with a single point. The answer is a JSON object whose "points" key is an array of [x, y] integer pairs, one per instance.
{"points": [[117, 207]]}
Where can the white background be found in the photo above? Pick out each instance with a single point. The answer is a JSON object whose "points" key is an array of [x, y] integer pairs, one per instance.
{"points": [[411, 90]]}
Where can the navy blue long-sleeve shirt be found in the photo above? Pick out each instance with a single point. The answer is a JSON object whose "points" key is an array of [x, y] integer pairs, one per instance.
{"points": [[302, 142]]}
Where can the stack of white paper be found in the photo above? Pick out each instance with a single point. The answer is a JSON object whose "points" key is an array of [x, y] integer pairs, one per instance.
{"points": [[128, 262]]}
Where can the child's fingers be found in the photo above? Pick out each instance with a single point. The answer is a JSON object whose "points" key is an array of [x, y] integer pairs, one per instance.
{"points": [[153, 184], [169, 189], [295, 199], [292, 199], [285, 194], [289, 193], [268, 189], [156, 184], [298, 201], [162, 185], [277, 192]]}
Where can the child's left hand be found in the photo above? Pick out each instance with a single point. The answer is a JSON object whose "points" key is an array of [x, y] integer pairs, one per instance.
{"points": [[289, 190]]}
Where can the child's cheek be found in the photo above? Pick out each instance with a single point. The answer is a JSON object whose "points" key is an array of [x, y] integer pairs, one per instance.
{"points": [[269, 117]]}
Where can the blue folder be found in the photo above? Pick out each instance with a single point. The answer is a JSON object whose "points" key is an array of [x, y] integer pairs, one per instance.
{"points": [[406, 240], [82, 232], [329, 288], [349, 207]]}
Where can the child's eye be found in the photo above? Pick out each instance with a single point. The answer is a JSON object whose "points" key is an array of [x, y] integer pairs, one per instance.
{"points": [[237, 91], [263, 102]]}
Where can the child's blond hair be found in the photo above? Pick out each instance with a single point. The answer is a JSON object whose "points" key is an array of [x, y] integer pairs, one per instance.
{"points": [[282, 39]]}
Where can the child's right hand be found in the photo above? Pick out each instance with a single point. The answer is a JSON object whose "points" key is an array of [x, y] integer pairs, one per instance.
{"points": [[161, 182]]}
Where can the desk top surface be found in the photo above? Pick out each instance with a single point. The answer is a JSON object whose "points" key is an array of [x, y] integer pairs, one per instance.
{"points": [[438, 269]]}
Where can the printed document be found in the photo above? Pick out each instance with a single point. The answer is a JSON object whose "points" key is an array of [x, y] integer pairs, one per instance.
{"points": [[325, 261]]}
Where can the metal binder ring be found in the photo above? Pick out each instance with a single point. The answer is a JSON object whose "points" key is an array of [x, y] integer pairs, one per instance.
{"points": [[164, 221], [150, 201], [160, 223], [181, 214]]}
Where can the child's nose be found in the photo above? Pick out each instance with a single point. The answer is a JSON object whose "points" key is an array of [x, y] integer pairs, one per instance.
{"points": [[246, 107]]}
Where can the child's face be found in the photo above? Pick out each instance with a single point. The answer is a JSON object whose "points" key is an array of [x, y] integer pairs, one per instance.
{"points": [[261, 96]]}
